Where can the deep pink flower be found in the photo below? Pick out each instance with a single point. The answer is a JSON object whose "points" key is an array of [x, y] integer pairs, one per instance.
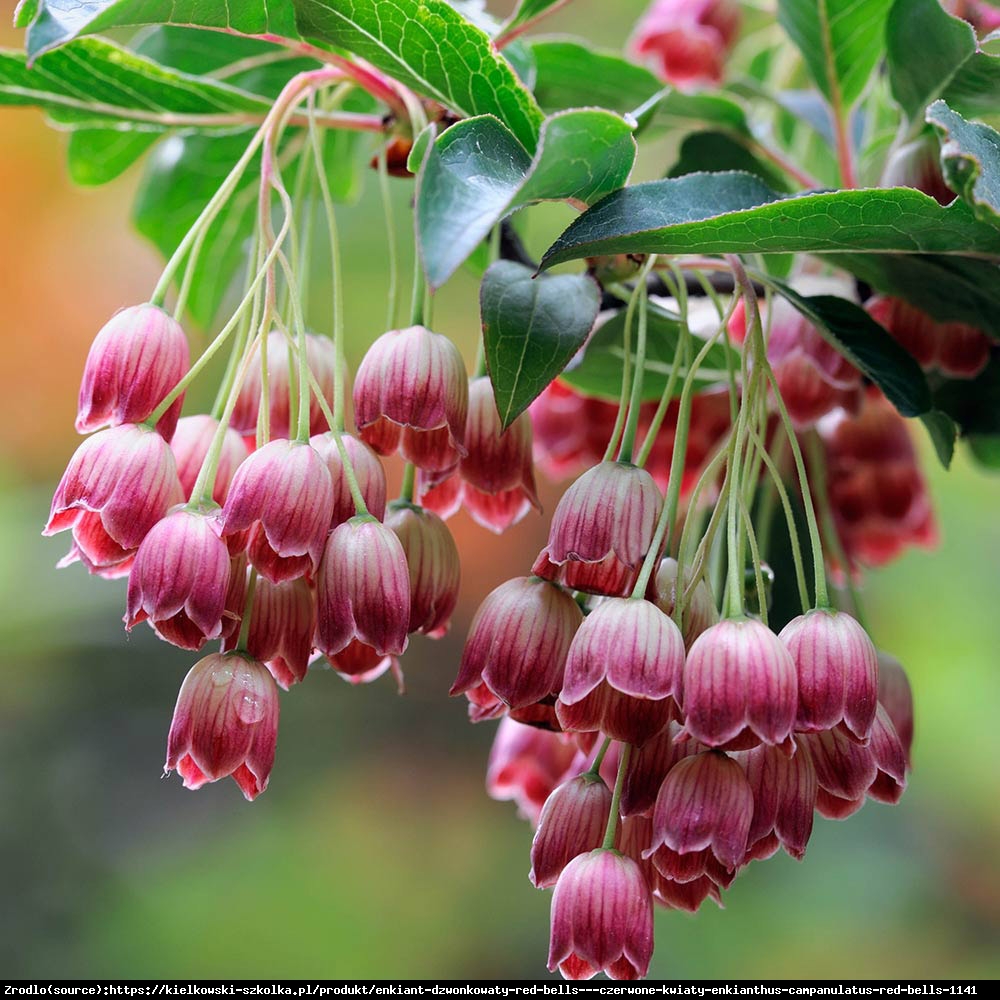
{"points": [[526, 764], [572, 822], [649, 765], [434, 565], [190, 444], [282, 623], [890, 760], [518, 641], [784, 794], [895, 696], [602, 529], [686, 41], [411, 392], [281, 363], [117, 485], [602, 918], [739, 687], [368, 471], [180, 578], [284, 493], [701, 820], [876, 488], [622, 671], [958, 350], [359, 663], [837, 672], [844, 768], [139, 355], [363, 589], [225, 723]]}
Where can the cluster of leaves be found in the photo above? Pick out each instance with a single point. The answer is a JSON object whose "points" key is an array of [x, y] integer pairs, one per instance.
{"points": [[195, 78]]}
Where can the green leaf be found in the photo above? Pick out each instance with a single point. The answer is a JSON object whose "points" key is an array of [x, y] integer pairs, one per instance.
{"points": [[840, 40], [477, 172], [925, 46], [531, 329], [867, 345], [738, 213], [59, 21], [972, 403], [98, 155], [570, 74], [947, 288], [430, 47], [529, 10], [985, 449], [598, 371], [975, 87], [94, 83], [943, 433], [970, 159], [708, 151]]}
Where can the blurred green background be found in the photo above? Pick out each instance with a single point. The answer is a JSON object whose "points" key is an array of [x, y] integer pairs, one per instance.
{"points": [[375, 852]]}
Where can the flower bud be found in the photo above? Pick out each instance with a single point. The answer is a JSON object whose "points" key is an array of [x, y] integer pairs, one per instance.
{"points": [[368, 471], [739, 687], [837, 672], [605, 521], [602, 918], [626, 657], [700, 613], [701, 820], [282, 369], [284, 492], [572, 822], [518, 641], [139, 355], [190, 445], [117, 485], [434, 565], [225, 723], [363, 589], [282, 623], [685, 42], [526, 764], [411, 391], [179, 580]]}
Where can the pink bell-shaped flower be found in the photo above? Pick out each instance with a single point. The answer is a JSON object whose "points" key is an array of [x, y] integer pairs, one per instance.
{"points": [[179, 580], [837, 672], [225, 723], [895, 696], [602, 529], [518, 641], [190, 445], [139, 355], [368, 471], [434, 565], [363, 589], [284, 494], [117, 485], [411, 392], [602, 918], [622, 671]]}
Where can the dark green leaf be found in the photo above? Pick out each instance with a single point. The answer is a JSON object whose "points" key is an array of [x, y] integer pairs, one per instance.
{"points": [[974, 404], [93, 83], [975, 87], [430, 47], [531, 329], [707, 151], [943, 433], [925, 46], [985, 449], [477, 172], [598, 371], [867, 345], [947, 288], [970, 158], [738, 213], [840, 40], [59, 21]]}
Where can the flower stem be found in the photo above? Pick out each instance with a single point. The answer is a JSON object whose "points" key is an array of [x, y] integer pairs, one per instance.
{"points": [[595, 768], [392, 253], [616, 797], [409, 482], [241, 642], [638, 376]]}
